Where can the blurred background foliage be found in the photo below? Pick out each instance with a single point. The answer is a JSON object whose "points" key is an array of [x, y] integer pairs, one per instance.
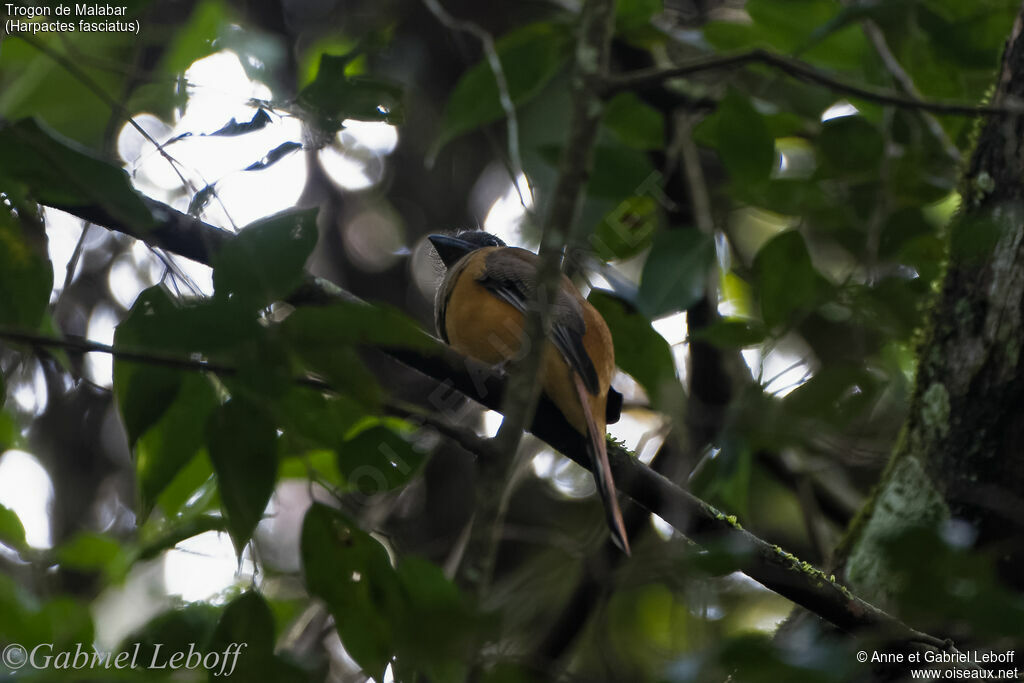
{"points": [[764, 249]]}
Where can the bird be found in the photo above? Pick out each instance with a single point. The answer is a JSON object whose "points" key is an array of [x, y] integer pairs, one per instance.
{"points": [[480, 311]]}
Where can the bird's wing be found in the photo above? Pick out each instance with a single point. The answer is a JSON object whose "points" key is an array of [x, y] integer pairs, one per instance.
{"points": [[510, 275]]}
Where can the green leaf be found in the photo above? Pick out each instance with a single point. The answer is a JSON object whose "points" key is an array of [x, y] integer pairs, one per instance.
{"points": [[12, 532], [59, 172], [26, 277], [197, 37], [62, 622], [265, 262], [376, 459], [206, 327], [68, 620], [311, 419], [33, 83], [333, 96], [193, 490], [143, 391], [731, 334], [224, 330], [788, 284], [9, 434], [626, 230], [634, 122], [351, 573], [174, 631], [346, 372], [316, 465], [837, 394], [676, 271], [88, 551], [795, 26], [620, 172], [850, 144], [893, 305], [937, 581], [159, 536], [169, 444], [320, 337], [245, 627], [530, 57], [742, 139], [435, 632], [243, 449], [263, 368], [901, 227], [631, 15], [354, 324], [725, 478], [639, 350]]}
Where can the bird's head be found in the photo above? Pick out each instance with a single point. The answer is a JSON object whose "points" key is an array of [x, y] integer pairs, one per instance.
{"points": [[453, 247]]}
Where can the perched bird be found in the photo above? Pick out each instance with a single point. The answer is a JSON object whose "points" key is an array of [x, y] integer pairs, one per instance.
{"points": [[480, 311]]}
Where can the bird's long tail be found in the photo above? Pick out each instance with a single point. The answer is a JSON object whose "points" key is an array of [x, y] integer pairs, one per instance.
{"points": [[598, 452]]}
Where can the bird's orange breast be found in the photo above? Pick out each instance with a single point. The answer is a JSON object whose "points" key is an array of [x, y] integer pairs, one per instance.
{"points": [[480, 325]]}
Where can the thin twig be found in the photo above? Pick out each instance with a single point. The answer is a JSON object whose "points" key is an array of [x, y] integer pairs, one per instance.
{"points": [[177, 362], [504, 94], [597, 23], [472, 443], [69, 273], [97, 90], [694, 174], [906, 83], [654, 77], [119, 109], [837, 500]]}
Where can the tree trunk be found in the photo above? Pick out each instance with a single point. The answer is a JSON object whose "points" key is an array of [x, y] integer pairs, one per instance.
{"points": [[959, 456]]}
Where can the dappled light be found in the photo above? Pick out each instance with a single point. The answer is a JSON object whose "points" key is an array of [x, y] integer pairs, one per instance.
{"points": [[25, 488], [204, 567], [625, 340]]}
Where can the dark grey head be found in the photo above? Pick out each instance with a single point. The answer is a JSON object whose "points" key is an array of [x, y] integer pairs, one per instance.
{"points": [[453, 247]]}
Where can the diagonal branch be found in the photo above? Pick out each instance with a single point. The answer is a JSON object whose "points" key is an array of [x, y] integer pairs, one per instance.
{"points": [[77, 344], [771, 566], [651, 78]]}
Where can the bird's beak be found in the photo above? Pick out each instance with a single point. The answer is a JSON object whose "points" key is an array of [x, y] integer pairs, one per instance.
{"points": [[451, 249]]}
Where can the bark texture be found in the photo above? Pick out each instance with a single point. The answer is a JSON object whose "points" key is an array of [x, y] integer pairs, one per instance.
{"points": [[960, 454]]}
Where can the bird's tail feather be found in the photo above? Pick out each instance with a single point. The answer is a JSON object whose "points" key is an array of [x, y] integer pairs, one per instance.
{"points": [[598, 452]]}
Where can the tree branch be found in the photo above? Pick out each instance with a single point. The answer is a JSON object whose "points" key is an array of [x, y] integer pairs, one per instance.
{"points": [[902, 78], [771, 566], [651, 78], [83, 345]]}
